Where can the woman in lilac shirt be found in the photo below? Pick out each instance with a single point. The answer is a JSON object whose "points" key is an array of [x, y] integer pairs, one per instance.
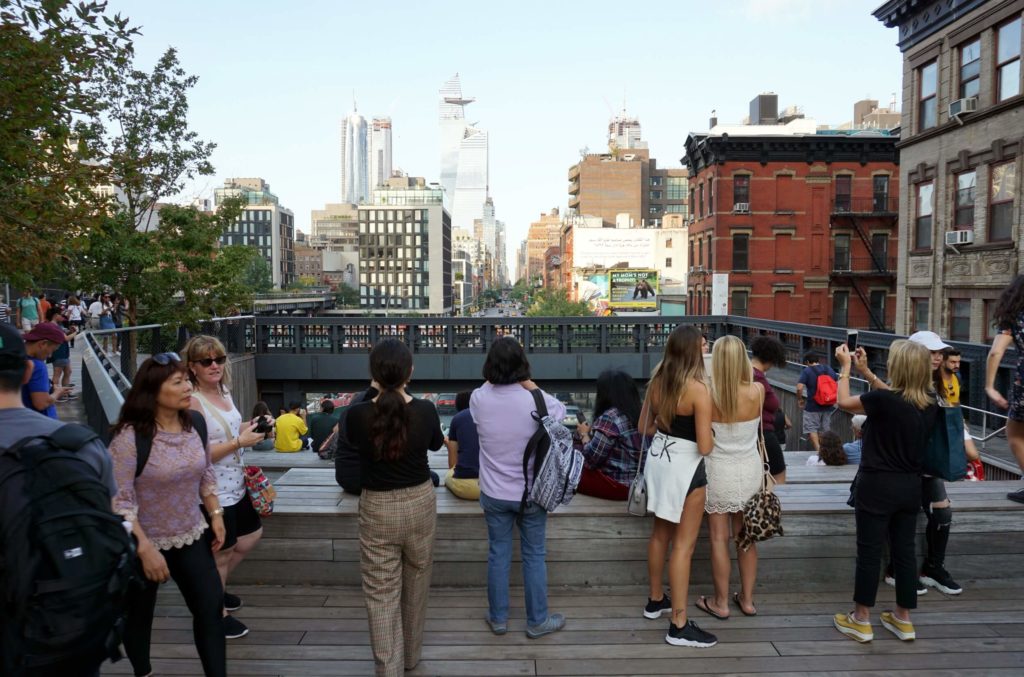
{"points": [[502, 409], [162, 504]]}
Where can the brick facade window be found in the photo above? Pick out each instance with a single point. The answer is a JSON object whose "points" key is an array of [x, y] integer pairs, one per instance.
{"points": [[1008, 49], [840, 309], [841, 253], [927, 101], [963, 215], [923, 216], [970, 68], [920, 308], [711, 196], [740, 303], [880, 193], [1002, 191], [741, 190], [960, 319], [990, 319], [741, 252], [876, 302], [844, 193]]}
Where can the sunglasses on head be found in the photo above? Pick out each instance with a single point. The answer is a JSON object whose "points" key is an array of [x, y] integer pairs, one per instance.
{"points": [[209, 361], [163, 359]]}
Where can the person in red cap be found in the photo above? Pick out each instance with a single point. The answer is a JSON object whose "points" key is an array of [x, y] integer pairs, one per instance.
{"points": [[40, 343]]}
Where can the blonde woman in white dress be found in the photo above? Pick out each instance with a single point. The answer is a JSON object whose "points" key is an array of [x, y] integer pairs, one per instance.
{"points": [[735, 472], [677, 414]]}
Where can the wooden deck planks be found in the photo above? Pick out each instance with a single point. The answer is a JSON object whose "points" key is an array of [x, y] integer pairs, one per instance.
{"points": [[322, 631]]}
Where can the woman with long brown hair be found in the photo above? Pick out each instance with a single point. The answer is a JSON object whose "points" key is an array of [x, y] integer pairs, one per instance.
{"points": [[1009, 317], [397, 507], [677, 412], [161, 500]]}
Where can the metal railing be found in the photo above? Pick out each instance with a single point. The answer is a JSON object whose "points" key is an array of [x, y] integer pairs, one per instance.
{"points": [[864, 265], [883, 203]]}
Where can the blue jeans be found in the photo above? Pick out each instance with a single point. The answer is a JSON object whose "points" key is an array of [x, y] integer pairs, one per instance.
{"points": [[501, 517]]}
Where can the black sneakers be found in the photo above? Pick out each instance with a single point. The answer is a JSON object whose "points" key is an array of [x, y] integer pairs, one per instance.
{"points": [[1017, 496], [690, 635], [234, 628], [232, 602], [656, 609], [937, 577], [922, 589]]}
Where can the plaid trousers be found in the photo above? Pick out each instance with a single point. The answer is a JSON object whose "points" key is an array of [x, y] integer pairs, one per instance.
{"points": [[396, 551]]}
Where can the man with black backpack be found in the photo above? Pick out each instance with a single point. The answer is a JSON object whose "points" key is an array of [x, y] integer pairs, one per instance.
{"points": [[816, 394], [65, 558]]}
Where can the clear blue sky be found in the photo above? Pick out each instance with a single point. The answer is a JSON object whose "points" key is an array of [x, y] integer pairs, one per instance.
{"points": [[277, 77]]}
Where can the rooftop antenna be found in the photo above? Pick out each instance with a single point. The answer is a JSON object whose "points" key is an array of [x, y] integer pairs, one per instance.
{"points": [[355, 108]]}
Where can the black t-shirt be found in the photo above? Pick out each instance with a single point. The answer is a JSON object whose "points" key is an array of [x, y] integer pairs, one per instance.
{"points": [[895, 433], [412, 468]]}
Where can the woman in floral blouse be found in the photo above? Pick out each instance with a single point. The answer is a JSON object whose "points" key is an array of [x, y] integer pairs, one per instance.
{"points": [[611, 446], [162, 504]]}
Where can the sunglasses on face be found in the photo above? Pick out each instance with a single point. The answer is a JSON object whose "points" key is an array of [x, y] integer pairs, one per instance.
{"points": [[163, 359], [209, 361]]}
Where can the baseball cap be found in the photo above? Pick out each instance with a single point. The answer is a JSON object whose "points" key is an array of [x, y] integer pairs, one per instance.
{"points": [[12, 347], [45, 331], [929, 340]]}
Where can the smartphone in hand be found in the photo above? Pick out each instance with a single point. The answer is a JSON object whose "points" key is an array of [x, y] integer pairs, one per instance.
{"points": [[580, 417], [851, 340]]}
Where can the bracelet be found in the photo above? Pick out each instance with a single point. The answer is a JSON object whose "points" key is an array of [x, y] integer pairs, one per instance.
{"points": [[217, 513], [238, 443], [842, 376]]}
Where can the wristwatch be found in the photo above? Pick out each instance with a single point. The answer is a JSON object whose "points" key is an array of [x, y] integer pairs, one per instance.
{"points": [[217, 513]]}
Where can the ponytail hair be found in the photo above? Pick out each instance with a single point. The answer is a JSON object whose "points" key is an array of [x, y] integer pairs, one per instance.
{"points": [[391, 367]]}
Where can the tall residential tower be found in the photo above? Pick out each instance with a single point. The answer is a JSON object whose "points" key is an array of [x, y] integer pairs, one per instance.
{"points": [[355, 171]]}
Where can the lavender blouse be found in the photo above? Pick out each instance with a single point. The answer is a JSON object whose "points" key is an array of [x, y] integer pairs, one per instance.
{"points": [[165, 498]]}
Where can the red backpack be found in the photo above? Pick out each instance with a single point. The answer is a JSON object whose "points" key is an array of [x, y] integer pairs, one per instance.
{"points": [[826, 390]]}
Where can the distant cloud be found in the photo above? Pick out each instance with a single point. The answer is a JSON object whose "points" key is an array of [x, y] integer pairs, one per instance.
{"points": [[782, 9]]}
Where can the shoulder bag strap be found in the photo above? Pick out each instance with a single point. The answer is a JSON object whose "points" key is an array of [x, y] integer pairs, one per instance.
{"points": [[643, 433], [210, 407], [761, 446]]}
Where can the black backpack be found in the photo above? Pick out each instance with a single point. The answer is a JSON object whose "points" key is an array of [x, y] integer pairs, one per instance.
{"points": [[67, 560], [144, 444]]}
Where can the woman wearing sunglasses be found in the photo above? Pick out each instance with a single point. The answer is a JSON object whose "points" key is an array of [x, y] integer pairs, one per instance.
{"points": [[228, 436], [162, 504]]}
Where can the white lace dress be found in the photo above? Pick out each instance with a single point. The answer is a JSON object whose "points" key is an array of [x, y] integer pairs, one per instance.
{"points": [[734, 466]]}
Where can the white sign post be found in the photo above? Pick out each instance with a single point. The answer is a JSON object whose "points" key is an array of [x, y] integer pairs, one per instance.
{"points": [[719, 294]]}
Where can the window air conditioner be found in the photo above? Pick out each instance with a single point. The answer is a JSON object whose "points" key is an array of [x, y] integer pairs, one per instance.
{"points": [[961, 106], [693, 268], [700, 269], [741, 208], [959, 237]]}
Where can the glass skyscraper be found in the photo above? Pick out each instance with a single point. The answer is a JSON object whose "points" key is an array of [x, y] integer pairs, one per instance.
{"points": [[355, 156]]}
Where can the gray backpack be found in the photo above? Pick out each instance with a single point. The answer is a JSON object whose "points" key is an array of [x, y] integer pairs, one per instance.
{"points": [[557, 465]]}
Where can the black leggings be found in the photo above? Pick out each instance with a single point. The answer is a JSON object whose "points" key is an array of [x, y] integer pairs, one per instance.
{"points": [[887, 507], [194, 570]]}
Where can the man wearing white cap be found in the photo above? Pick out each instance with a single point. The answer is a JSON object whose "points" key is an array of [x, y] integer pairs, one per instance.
{"points": [[934, 499]]}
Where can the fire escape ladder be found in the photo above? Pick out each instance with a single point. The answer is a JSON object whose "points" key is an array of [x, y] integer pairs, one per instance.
{"points": [[877, 323], [856, 221]]}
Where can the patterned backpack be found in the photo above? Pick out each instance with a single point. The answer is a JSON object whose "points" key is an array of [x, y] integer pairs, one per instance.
{"points": [[557, 465]]}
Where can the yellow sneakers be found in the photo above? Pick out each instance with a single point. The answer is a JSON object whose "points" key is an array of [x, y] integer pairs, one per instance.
{"points": [[902, 629], [849, 626]]}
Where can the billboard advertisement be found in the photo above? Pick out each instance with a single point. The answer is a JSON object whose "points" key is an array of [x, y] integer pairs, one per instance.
{"points": [[634, 288], [592, 288]]}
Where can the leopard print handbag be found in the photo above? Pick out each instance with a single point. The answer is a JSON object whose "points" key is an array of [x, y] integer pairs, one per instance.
{"points": [[762, 515]]}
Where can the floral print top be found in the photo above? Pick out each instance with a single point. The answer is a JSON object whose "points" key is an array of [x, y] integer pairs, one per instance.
{"points": [[165, 498]]}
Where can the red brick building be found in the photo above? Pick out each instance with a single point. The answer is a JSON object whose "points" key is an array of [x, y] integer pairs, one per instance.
{"points": [[804, 224]]}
